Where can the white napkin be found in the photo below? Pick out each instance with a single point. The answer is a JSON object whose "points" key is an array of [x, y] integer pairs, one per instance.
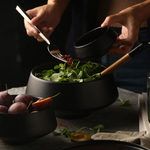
{"points": [[140, 138]]}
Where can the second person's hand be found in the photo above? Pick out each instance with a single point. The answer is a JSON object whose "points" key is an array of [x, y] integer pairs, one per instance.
{"points": [[130, 22]]}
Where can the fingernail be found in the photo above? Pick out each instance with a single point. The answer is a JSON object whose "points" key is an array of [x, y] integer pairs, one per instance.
{"points": [[103, 25]]}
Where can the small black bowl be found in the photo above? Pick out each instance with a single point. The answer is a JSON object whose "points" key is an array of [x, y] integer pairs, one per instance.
{"points": [[24, 128], [95, 43], [76, 100]]}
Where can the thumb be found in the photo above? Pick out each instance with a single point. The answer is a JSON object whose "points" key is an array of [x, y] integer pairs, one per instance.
{"points": [[36, 20], [111, 19]]}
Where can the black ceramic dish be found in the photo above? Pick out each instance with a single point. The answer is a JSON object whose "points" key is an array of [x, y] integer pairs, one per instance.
{"points": [[103, 145], [95, 43], [76, 100], [23, 128]]}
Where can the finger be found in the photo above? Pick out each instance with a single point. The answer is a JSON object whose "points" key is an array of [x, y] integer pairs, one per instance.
{"points": [[37, 19], [40, 40], [123, 42], [31, 31], [122, 50], [46, 31], [117, 51], [32, 15], [111, 19]]}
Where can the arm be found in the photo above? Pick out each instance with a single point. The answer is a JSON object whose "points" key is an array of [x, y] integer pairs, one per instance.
{"points": [[62, 4], [46, 17], [130, 19]]}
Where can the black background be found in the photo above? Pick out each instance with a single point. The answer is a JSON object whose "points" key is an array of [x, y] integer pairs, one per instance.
{"points": [[19, 53]]}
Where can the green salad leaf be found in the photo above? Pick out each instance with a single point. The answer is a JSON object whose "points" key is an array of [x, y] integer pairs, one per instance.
{"points": [[124, 103], [78, 72], [67, 133]]}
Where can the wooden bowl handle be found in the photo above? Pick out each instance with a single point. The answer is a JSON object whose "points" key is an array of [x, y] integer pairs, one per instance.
{"points": [[123, 59]]}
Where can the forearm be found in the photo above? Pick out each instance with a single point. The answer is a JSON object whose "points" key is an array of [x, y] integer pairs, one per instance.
{"points": [[62, 4], [143, 10]]}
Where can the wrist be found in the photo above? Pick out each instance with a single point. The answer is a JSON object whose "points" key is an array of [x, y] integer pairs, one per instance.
{"points": [[143, 10], [61, 4]]}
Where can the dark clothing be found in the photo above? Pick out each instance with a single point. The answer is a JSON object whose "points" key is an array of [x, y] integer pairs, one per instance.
{"points": [[132, 75], [84, 14]]}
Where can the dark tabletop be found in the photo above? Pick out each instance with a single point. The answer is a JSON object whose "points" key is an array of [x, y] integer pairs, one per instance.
{"points": [[113, 118]]}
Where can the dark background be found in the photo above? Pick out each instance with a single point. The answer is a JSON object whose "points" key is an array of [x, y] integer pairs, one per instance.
{"points": [[19, 53]]}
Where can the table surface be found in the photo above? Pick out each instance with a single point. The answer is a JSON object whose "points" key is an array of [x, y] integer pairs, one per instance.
{"points": [[113, 118]]}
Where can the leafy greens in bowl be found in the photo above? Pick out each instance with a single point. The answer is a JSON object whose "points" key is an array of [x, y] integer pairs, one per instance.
{"points": [[77, 72], [76, 99]]}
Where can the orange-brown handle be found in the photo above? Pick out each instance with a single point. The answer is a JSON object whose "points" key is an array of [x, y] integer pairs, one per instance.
{"points": [[116, 65], [123, 59]]}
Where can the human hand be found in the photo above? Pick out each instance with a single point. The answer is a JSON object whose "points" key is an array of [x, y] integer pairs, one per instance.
{"points": [[130, 22], [46, 17]]}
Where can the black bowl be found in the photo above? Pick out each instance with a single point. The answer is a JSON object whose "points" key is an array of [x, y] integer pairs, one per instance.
{"points": [[95, 43], [23, 128], [76, 100]]}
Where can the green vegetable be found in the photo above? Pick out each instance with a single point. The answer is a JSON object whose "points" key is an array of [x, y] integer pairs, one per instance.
{"points": [[68, 133], [78, 72], [64, 132], [126, 103], [94, 130]]}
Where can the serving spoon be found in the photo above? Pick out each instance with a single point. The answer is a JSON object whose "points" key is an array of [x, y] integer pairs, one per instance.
{"points": [[52, 49]]}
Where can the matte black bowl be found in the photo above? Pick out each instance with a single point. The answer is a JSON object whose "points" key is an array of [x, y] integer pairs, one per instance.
{"points": [[95, 43], [76, 100], [23, 128]]}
